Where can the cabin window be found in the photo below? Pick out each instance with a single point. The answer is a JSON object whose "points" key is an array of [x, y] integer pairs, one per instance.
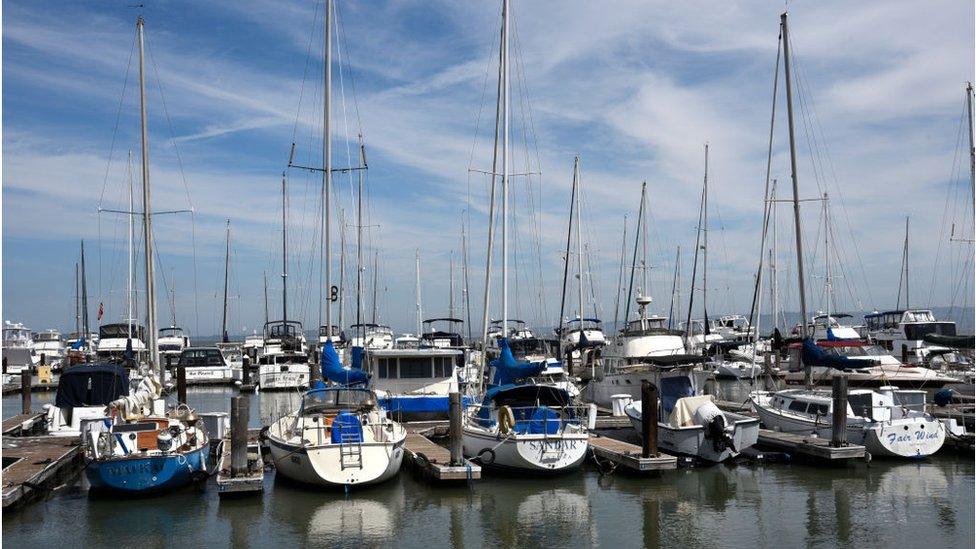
{"points": [[798, 406], [861, 404], [443, 366], [819, 409], [415, 367], [385, 371]]}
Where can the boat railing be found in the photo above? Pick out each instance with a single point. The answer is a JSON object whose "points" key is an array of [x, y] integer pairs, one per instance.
{"points": [[323, 430], [533, 419]]}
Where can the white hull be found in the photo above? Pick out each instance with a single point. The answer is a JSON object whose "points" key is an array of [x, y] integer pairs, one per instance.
{"points": [[691, 441], [206, 375], [271, 377], [321, 465], [526, 453]]}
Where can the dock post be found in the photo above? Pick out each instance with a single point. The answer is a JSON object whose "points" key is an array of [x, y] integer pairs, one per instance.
{"points": [[454, 412], [181, 383], [245, 370], [648, 419], [239, 411], [838, 431], [25, 391]]}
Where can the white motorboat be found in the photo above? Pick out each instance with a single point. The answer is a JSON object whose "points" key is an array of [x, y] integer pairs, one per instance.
{"points": [[172, 341], [733, 328], [18, 348], [738, 369], [114, 340], [206, 366], [234, 358], [371, 336], [887, 422], [415, 383], [49, 348], [689, 422], [904, 332], [254, 347], [337, 437], [284, 363], [84, 393]]}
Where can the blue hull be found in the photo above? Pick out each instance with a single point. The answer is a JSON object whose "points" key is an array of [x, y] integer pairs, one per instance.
{"points": [[140, 474]]}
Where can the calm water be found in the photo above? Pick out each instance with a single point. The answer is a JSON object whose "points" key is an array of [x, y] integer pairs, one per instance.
{"points": [[927, 503]]}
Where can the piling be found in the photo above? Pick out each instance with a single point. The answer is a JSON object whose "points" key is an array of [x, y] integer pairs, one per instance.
{"points": [[181, 383], [838, 431], [649, 419], [454, 413], [239, 412], [25, 391], [245, 370], [43, 359]]}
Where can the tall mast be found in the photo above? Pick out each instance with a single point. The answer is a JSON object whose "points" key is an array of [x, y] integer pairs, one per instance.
{"points": [[904, 270], [702, 221], [284, 254], [705, 246], [78, 302], [972, 146], [84, 294], [376, 261], [674, 284], [774, 279], [223, 323], [327, 159], [569, 240], [829, 278], [420, 312], [801, 285], [620, 276], [450, 306], [359, 237], [464, 282], [265, 297], [130, 280], [505, 53], [342, 268], [633, 262], [579, 238], [147, 215]]}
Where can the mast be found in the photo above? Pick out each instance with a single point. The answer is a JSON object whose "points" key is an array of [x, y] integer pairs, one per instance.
{"points": [[504, 49], [579, 238], [284, 255], [620, 276], [359, 238], [223, 323], [84, 295], [674, 283], [376, 261], [265, 297], [904, 269], [450, 306], [342, 269], [972, 146], [633, 262], [130, 280], [420, 312], [702, 221], [774, 282], [147, 215], [829, 278], [705, 248], [78, 302], [801, 285], [327, 159], [569, 239], [464, 283]]}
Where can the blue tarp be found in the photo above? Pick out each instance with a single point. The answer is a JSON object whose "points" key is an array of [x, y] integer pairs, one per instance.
{"points": [[542, 421], [672, 389], [78, 344], [357, 358], [420, 404], [507, 369], [815, 356], [346, 428], [333, 371]]}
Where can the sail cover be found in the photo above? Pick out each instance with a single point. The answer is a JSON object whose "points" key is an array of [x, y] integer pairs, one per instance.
{"points": [[333, 371], [507, 369], [91, 385], [815, 356]]}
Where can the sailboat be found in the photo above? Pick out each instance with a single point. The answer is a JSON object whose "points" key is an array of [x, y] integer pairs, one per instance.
{"points": [[580, 338], [139, 447], [339, 435], [519, 425], [877, 419]]}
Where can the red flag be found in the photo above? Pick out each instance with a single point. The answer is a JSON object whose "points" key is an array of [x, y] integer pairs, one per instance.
{"points": [[101, 310]]}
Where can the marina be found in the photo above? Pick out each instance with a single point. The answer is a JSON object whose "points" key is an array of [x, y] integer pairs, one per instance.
{"points": [[387, 275]]}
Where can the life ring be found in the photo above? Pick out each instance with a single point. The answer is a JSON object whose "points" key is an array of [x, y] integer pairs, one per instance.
{"points": [[506, 420]]}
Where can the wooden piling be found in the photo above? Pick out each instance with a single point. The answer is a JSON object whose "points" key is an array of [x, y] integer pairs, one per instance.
{"points": [[245, 370], [239, 412], [181, 383], [838, 431], [25, 391], [648, 419], [454, 413]]}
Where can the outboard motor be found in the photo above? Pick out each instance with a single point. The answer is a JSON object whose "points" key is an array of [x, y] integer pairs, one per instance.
{"points": [[712, 419]]}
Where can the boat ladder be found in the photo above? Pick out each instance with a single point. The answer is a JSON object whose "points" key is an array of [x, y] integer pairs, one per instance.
{"points": [[350, 452]]}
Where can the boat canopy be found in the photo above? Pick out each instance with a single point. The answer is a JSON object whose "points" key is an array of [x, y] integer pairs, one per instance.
{"points": [[671, 361], [517, 395], [815, 356], [172, 331], [120, 331], [279, 328], [444, 319], [954, 341], [330, 399], [91, 385], [507, 369]]}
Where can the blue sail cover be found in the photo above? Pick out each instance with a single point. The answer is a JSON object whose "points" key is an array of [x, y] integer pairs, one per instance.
{"points": [[815, 356], [507, 369], [333, 371], [78, 344], [357, 358]]}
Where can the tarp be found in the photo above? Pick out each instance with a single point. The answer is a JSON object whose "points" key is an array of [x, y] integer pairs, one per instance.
{"points": [[524, 394], [333, 371], [346, 428], [683, 414], [815, 356], [672, 389], [357, 358], [542, 421], [955, 341], [507, 369], [91, 385]]}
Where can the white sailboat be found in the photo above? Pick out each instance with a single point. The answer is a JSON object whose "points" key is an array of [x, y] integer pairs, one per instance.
{"points": [[527, 427]]}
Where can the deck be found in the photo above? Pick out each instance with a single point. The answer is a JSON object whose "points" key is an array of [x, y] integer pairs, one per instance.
{"points": [[434, 461], [807, 446], [250, 483], [23, 424], [629, 455], [34, 466]]}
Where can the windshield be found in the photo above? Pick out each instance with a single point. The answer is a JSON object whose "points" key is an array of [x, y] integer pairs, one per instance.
{"points": [[919, 316], [291, 329], [854, 350], [119, 331], [201, 357], [322, 400], [524, 347], [171, 332]]}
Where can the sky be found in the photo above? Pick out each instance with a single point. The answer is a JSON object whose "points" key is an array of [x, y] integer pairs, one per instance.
{"points": [[636, 89]]}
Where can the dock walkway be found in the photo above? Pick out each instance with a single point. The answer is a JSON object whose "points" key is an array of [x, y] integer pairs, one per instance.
{"points": [[807, 446], [629, 455], [23, 424], [434, 461], [33, 466]]}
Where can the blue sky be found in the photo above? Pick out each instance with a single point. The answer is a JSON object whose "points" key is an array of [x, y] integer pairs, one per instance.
{"points": [[634, 88]]}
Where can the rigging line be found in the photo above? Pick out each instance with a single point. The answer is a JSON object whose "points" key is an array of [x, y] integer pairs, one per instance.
{"points": [[308, 59], [115, 130], [341, 37], [954, 170]]}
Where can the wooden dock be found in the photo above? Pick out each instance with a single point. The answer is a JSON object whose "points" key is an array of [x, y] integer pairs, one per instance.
{"points": [[807, 446], [34, 466], [629, 455], [434, 461], [14, 388], [23, 424], [250, 483]]}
